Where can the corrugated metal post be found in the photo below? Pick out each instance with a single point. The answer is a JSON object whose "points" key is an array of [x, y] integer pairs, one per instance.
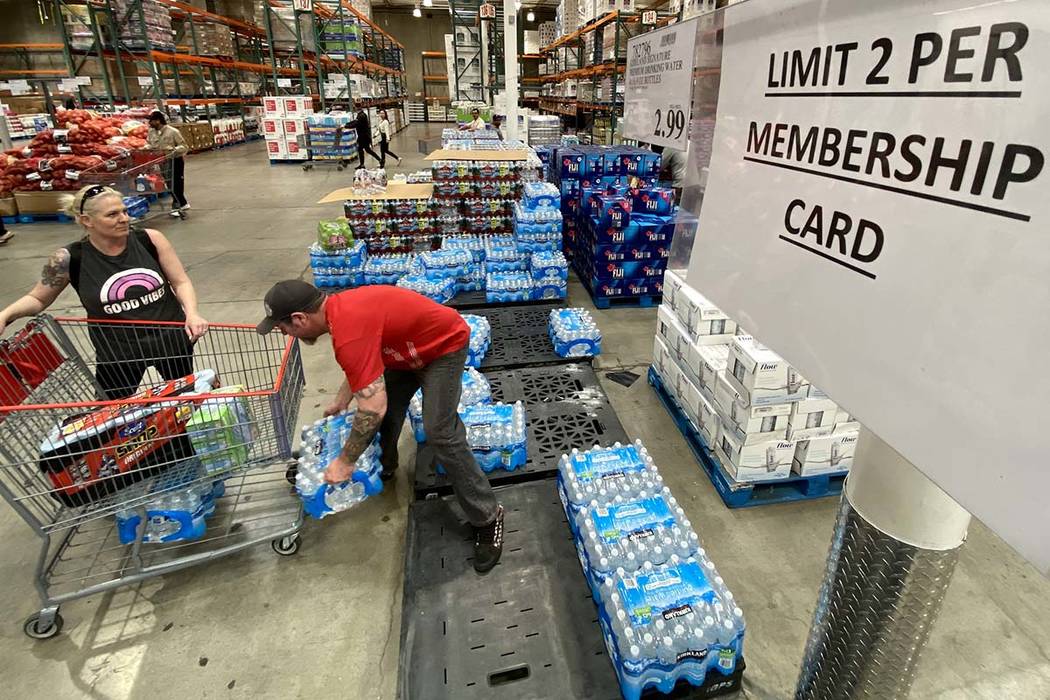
{"points": [[894, 549]]}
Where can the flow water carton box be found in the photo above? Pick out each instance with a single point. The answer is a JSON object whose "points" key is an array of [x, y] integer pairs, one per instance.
{"points": [[707, 324], [661, 356], [726, 396], [709, 423], [670, 330], [713, 360], [824, 455], [674, 280], [811, 418], [760, 461], [688, 396], [753, 424], [762, 376]]}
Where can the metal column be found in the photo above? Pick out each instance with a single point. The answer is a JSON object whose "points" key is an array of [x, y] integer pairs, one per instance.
{"points": [[510, 67], [894, 549]]}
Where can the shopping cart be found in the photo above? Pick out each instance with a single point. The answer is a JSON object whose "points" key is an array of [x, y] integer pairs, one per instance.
{"points": [[334, 145], [71, 462], [144, 173]]}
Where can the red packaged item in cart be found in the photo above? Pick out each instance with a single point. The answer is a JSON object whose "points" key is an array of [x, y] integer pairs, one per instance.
{"points": [[94, 455]]}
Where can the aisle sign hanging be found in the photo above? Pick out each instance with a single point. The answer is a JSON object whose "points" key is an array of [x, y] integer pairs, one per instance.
{"points": [[657, 85], [877, 213]]}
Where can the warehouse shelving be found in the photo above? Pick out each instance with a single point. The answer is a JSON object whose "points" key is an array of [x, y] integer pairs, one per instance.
{"points": [[435, 73]]}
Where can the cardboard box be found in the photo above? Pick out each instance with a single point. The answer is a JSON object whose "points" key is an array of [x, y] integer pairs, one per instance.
{"points": [[296, 150], [691, 359], [709, 423], [43, 202], [726, 397], [276, 150], [825, 455], [688, 395], [273, 106], [661, 355], [713, 359], [672, 332], [761, 461], [762, 376], [297, 105], [8, 206], [753, 424], [294, 127], [706, 323], [811, 418], [272, 128], [674, 280]]}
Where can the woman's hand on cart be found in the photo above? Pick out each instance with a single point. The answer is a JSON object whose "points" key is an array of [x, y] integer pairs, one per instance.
{"points": [[338, 471], [196, 326]]}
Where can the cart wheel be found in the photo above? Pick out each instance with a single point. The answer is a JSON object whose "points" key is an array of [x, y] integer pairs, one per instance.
{"points": [[33, 631], [286, 546], [291, 473]]}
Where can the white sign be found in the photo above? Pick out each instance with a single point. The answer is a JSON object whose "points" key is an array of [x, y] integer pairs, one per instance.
{"points": [[303, 5], [284, 82], [487, 11], [145, 81], [658, 85], [83, 79], [877, 213], [649, 17]]}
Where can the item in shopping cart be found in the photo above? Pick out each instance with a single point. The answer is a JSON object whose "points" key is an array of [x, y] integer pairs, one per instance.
{"points": [[137, 207], [221, 431], [574, 333], [321, 443], [90, 456], [177, 514], [334, 235]]}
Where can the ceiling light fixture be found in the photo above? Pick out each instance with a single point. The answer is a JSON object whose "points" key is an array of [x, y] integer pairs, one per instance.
{"points": [[416, 12], [428, 3], [531, 17]]}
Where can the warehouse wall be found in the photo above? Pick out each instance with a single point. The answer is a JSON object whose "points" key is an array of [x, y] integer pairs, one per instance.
{"points": [[426, 33]]}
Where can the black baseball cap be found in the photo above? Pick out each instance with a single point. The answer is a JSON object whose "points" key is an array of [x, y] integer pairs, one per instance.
{"points": [[286, 298]]}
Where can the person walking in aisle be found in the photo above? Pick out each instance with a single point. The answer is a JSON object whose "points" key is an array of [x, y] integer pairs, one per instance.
{"points": [[390, 342], [164, 137], [121, 274], [385, 133], [364, 138], [5, 235]]}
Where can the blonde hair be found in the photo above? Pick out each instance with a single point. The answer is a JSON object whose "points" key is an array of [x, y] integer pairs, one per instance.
{"points": [[88, 208]]}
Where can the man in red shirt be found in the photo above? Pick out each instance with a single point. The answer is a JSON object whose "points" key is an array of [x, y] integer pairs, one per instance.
{"points": [[390, 342]]}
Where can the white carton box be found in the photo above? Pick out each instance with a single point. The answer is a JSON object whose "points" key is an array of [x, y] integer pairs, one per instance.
{"points": [[661, 356], [762, 376], [689, 397], [297, 105], [762, 461], [691, 359], [845, 422], [673, 283], [753, 424], [273, 106], [709, 423], [668, 328], [276, 149], [713, 359], [272, 128], [671, 375], [726, 397], [294, 127], [811, 418], [824, 455], [296, 150], [705, 322]]}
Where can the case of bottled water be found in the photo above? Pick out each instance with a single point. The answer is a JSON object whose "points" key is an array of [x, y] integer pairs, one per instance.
{"points": [[502, 255], [342, 268], [497, 436], [665, 613], [447, 262], [475, 244], [476, 390], [322, 442], [178, 513], [440, 290], [387, 269], [508, 287], [541, 194], [549, 288], [480, 339], [574, 333], [546, 264]]}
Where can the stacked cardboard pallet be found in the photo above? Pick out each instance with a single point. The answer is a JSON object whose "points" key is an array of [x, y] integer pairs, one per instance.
{"points": [[284, 126]]}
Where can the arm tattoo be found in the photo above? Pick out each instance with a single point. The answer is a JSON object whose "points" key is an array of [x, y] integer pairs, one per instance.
{"points": [[56, 271], [372, 389], [366, 423]]}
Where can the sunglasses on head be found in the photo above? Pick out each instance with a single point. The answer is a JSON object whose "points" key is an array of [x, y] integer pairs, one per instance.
{"points": [[94, 191]]}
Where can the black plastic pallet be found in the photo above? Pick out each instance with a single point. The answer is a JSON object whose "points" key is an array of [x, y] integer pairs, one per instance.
{"points": [[477, 300], [526, 629], [519, 337], [565, 407]]}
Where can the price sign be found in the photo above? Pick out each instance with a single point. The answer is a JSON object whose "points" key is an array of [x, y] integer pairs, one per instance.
{"points": [[649, 17], [303, 5], [83, 79], [659, 81], [284, 82], [487, 11], [146, 81]]}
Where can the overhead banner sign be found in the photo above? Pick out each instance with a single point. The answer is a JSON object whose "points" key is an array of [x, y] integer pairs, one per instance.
{"points": [[658, 85], [877, 212]]}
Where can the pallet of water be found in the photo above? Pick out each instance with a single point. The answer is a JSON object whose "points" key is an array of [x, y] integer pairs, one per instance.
{"points": [[480, 339], [574, 333], [321, 442], [666, 614]]}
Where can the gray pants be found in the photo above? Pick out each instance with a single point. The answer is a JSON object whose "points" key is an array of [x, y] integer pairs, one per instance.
{"points": [[442, 383]]}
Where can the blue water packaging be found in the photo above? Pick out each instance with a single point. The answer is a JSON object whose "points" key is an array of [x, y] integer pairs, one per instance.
{"points": [[497, 436], [475, 244], [440, 290], [177, 513], [480, 338], [654, 200], [504, 287], [387, 269], [547, 264], [574, 333], [321, 442], [541, 194], [475, 390], [454, 262]]}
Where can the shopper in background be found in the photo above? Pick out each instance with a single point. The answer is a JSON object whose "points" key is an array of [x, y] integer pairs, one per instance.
{"points": [[390, 342], [364, 138], [496, 121], [385, 133], [478, 123], [5, 235], [121, 274], [672, 168], [164, 137]]}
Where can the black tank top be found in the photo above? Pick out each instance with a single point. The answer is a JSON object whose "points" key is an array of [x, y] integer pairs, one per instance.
{"points": [[129, 286]]}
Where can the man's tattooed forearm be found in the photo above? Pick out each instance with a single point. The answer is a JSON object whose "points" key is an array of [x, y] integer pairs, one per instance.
{"points": [[372, 389], [56, 270], [366, 423]]}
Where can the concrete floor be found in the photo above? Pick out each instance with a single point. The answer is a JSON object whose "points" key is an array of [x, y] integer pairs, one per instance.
{"points": [[325, 623]]}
